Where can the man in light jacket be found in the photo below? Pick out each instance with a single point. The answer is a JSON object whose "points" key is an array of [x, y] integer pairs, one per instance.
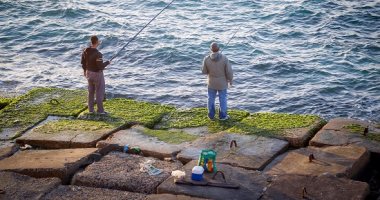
{"points": [[220, 74]]}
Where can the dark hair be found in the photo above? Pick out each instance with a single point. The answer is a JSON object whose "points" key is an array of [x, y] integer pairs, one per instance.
{"points": [[94, 39]]}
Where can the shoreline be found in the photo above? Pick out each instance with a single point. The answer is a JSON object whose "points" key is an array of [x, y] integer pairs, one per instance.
{"points": [[267, 145]]}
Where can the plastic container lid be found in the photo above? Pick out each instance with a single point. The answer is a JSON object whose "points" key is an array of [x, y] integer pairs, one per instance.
{"points": [[197, 170]]}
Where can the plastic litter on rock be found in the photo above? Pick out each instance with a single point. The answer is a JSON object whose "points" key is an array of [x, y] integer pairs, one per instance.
{"points": [[25, 147], [125, 149], [148, 167]]}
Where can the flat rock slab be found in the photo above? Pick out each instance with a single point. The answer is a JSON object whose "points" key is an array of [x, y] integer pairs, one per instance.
{"points": [[18, 186], [73, 192], [7, 149], [65, 138], [149, 146], [327, 187], [252, 152], [252, 184], [48, 163], [345, 161], [337, 133], [121, 171], [171, 197]]}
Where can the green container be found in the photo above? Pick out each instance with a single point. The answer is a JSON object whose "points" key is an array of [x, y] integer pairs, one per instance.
{"points": [[207, 160]]}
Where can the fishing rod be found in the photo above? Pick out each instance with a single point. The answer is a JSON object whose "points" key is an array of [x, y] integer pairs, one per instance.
{"points": [[141, 30], [230, 39]]}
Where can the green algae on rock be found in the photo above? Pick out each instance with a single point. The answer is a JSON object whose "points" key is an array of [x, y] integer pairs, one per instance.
{"points": [[359, 129], [296, 129], [373, 136], [355, 128], [73, 125], [169, 136], [5, 101], [29, 109], [272, 123], [54, 101], [144, 113], [197, 117]]}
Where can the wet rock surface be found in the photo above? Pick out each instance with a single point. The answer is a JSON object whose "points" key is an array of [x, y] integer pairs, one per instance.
{"points": [[17, 186], [250, 151], [149, 146], [325, 187], [341, 131], [345, 161], [251, 184], [79, 192], [122, 171], [7, 149], [48, 163]]}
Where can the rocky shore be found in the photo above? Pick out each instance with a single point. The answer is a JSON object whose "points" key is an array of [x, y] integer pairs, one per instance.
{"points": [[52, 148]]}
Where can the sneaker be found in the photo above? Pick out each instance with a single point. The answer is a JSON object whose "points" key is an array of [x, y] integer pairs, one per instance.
{"points": [[103, 113], [212, 119], [225, 118]]}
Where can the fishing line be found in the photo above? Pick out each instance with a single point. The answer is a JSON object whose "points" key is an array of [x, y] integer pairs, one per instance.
{"points": [[141, 30], [233, 36]]}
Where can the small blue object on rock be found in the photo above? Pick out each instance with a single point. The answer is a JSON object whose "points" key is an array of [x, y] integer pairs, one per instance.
{"points": [[197, 173], [125, 149]]}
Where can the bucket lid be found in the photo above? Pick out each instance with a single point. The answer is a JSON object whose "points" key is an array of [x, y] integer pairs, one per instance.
{"points": [[197, 170]]}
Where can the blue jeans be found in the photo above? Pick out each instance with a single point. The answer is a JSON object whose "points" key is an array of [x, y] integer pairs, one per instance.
{"points": [[222, 103]]}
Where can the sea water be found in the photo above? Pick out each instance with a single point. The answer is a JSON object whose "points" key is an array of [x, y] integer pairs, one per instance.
{"points": [[297, 56]]}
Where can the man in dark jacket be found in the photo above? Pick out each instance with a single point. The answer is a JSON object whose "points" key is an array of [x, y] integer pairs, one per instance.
{"points": [[93, 66]]}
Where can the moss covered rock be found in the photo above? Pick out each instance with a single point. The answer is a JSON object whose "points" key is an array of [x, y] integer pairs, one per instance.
{"points": [[33, 107], [170, 136], [144, 113], [360, 129], [5, 101], [197, 117], [73, 125], [297, 129]]}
